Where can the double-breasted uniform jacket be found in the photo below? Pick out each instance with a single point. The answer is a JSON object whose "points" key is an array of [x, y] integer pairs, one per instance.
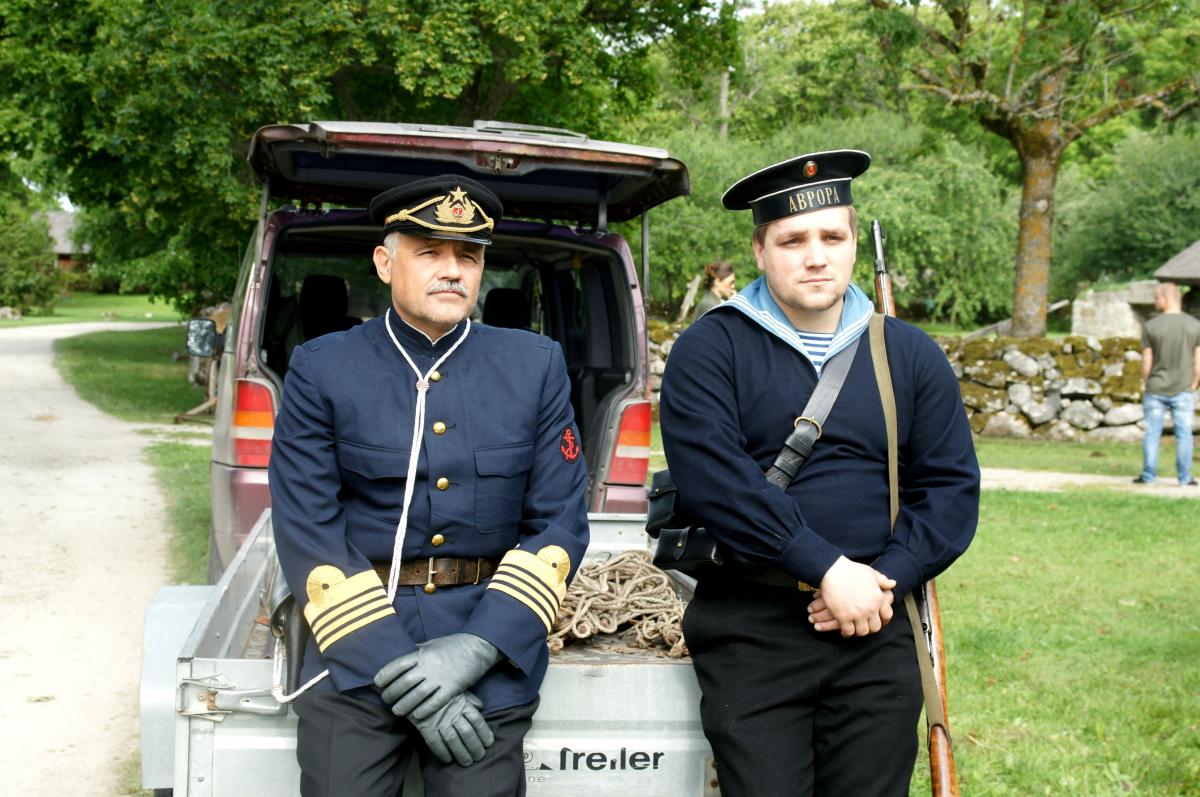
{"points": [[499, 474]]}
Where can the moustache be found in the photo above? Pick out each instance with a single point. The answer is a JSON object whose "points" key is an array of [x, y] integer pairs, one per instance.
{"points": [[447, 286]]}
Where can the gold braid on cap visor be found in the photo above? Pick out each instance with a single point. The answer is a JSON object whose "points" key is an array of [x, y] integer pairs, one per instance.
{"points": [[407, 215]]}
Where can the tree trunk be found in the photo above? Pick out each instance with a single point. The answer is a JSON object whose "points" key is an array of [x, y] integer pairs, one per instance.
{"points": [[1041, 147], [1039, 171]]}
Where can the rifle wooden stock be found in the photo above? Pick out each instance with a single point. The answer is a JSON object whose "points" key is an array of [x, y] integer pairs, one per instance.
{"points": [[943, 775], [884, 301]]}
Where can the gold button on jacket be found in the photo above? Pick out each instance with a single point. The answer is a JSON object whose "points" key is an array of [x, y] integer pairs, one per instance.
{"points": [[437, 539], [443, 483], [439, 427], [436, 376]]}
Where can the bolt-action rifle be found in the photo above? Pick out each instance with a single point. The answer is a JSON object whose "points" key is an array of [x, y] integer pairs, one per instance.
{"points": [[942, 773]]}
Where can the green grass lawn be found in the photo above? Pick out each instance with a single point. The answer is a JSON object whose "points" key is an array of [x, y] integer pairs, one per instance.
{"points": [[100, 307], [1072, 641], [182, 472], [1104, 459], [136, 376]]}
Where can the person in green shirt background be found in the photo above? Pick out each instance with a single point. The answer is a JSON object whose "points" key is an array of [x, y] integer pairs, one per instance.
{"points": [[1171, 372]]}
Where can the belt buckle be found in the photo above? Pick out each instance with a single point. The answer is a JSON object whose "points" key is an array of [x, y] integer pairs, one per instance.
{"points": [[478, 569], [430, 587]]}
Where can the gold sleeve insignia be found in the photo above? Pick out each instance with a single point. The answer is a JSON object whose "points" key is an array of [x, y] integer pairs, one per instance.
{"points": [[339, 606], [539, 581]]}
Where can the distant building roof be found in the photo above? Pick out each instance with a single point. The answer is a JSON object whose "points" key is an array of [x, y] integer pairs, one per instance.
{"points": [[62, 229], [1184, 268]]}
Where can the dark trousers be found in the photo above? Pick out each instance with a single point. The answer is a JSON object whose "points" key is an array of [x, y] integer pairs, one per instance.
{"points": [[350, 747], [793, 712]]}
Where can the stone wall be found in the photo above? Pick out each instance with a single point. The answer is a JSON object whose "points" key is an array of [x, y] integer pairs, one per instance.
{"points": [[1074, 388], [662, 338]]}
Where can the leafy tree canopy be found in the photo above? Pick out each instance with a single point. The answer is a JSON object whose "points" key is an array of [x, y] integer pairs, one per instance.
{"points": [[926, 193], [141, 111], [29, 276], [1141, 215], [1040, 76]]}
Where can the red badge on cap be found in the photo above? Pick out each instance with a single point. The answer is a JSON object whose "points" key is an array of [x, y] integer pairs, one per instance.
{"points": [[569, 446], [810, 169]]}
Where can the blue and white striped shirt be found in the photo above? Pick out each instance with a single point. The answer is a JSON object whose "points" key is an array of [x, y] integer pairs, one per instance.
{"points": [[816, 346]]}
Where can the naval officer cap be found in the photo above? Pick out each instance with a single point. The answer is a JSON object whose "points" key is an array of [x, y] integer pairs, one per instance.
{"points": [[803, 184], [447, 206]]}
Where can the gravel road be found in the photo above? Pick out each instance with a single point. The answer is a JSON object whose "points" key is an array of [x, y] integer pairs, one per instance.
{"points": [[1011, 479], [83, 528]]}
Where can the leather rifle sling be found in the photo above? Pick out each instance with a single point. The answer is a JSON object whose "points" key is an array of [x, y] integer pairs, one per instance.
{"points": [[935, 712]]}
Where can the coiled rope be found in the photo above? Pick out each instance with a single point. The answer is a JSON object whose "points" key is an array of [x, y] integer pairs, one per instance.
{"points": [[626, 595]]}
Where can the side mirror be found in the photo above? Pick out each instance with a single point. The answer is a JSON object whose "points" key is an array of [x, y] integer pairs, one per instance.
{"points": [[202, 337]]}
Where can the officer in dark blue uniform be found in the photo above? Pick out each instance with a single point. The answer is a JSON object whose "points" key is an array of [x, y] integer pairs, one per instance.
{"points": [[428, 503]]}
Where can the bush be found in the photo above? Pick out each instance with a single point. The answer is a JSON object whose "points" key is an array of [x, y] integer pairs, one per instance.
{"points": [[29, 276], [1127, 224], [952, 231]]}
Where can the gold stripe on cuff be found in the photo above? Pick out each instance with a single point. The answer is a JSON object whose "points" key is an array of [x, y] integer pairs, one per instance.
{"points": [[539, 587], [522, 596], [375, 599], [336, 615], [323, 644], [548, 609]]}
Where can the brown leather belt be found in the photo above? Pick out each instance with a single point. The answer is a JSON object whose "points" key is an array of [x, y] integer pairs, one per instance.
{"points": [[439, 571], [767, 575]]}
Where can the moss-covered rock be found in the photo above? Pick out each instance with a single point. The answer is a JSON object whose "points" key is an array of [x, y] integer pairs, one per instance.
{"points": [[1036, 346], [979, 421], [1113, 349], [661, 331], [982, 349], [1076, 366], [991, 373], [1127, 386], [985, 399]]}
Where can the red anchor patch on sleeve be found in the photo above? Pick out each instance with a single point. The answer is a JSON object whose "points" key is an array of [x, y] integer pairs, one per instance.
{"points": [[569, 445]]}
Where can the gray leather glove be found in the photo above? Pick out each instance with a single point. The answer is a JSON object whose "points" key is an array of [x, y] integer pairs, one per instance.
{"points": [[457, 731], [420, 683]]}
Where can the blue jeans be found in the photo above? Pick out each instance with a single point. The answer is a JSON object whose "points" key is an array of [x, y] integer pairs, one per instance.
{"points": [[1181, 406]]}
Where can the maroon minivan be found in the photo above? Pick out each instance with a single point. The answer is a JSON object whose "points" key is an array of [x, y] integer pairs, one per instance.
{"points": [[554, 268]]}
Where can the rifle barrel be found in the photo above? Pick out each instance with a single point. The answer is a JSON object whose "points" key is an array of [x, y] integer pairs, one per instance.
{"points": [[943, 774]]}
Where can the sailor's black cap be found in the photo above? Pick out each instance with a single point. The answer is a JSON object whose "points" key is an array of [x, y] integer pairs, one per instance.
{"points": [[802, 184], [446, 206]]}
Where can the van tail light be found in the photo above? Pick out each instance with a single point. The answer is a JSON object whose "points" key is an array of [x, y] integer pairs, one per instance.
{"points": [[253, 423], [631, 455]]}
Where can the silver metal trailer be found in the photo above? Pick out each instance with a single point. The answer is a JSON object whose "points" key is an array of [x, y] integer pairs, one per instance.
{"points": [[610, 724]]}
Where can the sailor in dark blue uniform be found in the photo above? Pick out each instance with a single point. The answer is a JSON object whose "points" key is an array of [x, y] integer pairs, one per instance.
{"points": [[428, 504], [803, 695]]}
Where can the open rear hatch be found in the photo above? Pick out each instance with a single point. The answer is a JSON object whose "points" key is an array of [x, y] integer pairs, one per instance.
{"points": [[539, 173]]}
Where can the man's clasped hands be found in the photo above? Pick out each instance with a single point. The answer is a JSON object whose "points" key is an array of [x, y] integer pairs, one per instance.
{"points": [[853, 598], [429, 688]]}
